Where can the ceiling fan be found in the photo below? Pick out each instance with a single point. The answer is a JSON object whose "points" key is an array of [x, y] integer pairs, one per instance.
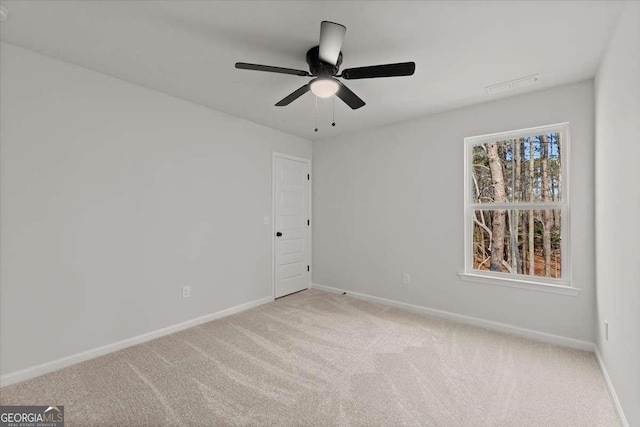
{"points": [[324, 63]]}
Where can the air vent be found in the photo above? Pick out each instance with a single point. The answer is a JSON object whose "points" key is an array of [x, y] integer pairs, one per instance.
{"points": [[512, 84]]}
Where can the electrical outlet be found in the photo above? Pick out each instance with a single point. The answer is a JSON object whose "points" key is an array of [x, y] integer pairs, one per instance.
{"points": [[606, 330], [186, 291], [406, 278], [265, 220]]}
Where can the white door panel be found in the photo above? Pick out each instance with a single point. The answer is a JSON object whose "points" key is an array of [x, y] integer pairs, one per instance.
{"points": [[291, 210]]}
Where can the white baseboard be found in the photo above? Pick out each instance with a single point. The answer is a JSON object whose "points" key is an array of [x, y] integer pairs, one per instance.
{"points": [[34, 371], [612, 391], [488, 324]]}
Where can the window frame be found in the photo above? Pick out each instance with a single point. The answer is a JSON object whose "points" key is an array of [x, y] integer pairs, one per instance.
{"points": [[562, 285]]}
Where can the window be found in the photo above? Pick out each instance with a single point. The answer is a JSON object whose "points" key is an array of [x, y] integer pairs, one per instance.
{"points": [[516, 208]]}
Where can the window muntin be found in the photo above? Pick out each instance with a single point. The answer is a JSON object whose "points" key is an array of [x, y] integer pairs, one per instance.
{"points": [[516, 209]]}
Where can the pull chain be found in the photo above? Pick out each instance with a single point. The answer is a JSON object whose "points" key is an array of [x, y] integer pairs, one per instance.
{"points": [[333, 111], [316, 114]]}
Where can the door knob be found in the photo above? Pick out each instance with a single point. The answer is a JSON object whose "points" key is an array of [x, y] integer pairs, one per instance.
{"points": [[278, 234]]}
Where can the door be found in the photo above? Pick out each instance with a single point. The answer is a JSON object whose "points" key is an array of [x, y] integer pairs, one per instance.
{"points": [[292, 230]]}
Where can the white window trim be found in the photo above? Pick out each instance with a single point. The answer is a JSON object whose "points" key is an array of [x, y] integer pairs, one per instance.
{"points": [[562, 285]]}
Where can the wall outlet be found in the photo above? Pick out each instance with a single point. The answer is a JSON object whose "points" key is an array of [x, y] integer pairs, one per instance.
{"points": [[265, 220], [406, 278], [186, 291], [606, 330]]}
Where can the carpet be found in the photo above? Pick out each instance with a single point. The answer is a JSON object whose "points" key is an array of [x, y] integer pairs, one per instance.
{"points": [[321, 359]]}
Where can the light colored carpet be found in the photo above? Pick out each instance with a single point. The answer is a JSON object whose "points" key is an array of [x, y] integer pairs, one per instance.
{"points": [[320, 359]]}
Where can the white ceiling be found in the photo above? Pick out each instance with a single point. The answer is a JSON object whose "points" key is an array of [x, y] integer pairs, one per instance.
{"points": [[188, 49]]}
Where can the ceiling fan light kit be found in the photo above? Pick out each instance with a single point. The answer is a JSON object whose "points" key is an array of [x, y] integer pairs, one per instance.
{"points": [[324, 88], [324, 63]]}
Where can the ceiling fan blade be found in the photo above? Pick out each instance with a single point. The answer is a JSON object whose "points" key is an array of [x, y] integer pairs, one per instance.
{"points": [[293, 96], [331, 37], [271, 69], [349, 98], [388, 70]]}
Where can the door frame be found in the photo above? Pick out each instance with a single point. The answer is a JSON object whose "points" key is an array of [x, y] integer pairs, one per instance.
{"points": [[274, 156]]}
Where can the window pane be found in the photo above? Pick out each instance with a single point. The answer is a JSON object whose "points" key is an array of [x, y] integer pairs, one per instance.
{"points": [[525, 169], [518, 241]]}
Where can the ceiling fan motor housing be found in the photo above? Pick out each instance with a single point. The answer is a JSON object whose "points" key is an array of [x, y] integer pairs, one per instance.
{"points": [[319, 68]]}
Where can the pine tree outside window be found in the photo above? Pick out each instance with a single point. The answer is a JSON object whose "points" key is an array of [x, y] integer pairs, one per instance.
{"points": [[517, 210]]}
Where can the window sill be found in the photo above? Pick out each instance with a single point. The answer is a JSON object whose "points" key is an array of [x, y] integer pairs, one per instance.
{"points": [[520, 284]]}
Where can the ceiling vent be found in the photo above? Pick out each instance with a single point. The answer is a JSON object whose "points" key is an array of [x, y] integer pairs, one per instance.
{"points": [[512, 84]]}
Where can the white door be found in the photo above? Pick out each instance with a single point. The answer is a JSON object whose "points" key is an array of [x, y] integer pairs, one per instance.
{"points": [[292, 230]]}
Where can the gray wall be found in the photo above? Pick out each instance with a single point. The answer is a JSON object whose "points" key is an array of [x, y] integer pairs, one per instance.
{"points": [[390, 200], [618, 210], [113, 198]]}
